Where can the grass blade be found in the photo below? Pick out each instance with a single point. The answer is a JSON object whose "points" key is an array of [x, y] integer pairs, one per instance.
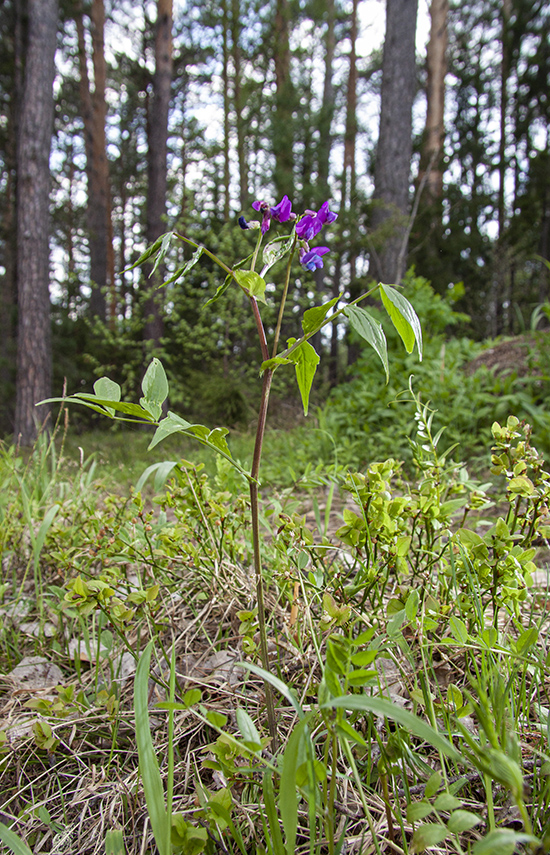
{"points": [[148, 764], [12, 841]]}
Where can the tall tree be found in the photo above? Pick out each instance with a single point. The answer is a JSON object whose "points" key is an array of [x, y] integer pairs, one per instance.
{"points": [[34, 364], [283, 124], [157, 159], [394, 151], [94, 113], [436, 68]]}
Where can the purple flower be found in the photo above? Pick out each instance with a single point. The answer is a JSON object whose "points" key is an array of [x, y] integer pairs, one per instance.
{"points": [[280, 213], [283, 211], [312, 260], [310, 225]]}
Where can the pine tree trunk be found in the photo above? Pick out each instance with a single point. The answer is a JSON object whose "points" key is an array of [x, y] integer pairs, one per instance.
{"points": [[238, 103], [94, 113], [34, 361], [393, 160], [157, 162], [283, 126], [434, 134]]}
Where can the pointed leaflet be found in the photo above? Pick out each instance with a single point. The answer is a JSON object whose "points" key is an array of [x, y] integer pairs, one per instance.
{"points": [[155, 388], [403, 316], [252, 283], [371, 331], [306, 360], [147, 254], [171, 424], [103, 405], [181, 271], [221, 289], [106, 388], [274, 251], [313, 318], [164, 247]]}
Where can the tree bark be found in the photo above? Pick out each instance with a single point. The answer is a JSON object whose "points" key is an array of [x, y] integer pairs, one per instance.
{"points": [[393, 159], [283, 128], [157, 161], [94, 114], [238, 103], [34, 361], [434, 134]]}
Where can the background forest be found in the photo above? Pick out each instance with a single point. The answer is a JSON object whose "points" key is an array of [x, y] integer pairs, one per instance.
{"points": [[432, 143]]}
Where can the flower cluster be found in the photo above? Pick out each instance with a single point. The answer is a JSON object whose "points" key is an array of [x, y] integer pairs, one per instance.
{"points": [[308, 227]]}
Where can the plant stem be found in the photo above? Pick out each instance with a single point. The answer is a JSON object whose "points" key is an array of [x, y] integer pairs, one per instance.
{"points": [[283, 301], [254, 511]]}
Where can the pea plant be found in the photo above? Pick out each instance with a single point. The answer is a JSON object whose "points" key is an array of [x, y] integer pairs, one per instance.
{"points": [[250, 276]]}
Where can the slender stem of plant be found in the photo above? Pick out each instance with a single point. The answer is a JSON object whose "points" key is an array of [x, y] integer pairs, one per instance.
{"points": [[283, 301], [256, 250], [261, 332], [254, 510]]}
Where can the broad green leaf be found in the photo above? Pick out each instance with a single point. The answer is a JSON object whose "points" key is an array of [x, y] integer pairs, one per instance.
{"points": [[403, 317], [505, 770], [448, 802], [252, 283], [181, 271], [107, 389], [306, 361], [371, 331], [148, 763], [502, 841], [415, 725], [459, 629], [249, 733], [12, 841], [313, 318], [169, 425], [462, 820], [114, 842], [155, 388], [432, 785], [428, 835], [418, 810], [275, 250]]}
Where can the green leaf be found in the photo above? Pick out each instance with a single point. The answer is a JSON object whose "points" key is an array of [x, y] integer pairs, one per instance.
{"points": [[344, 729], [161, 471], [288, 797], [462, 820], [252, 283], [248, 730], [181, 271], [418, 810], [114, 842], [271, 812], [102, 405], [220, 290], [169, 425], [155, 388], [313, 318], [165, 242], [275, 250], [458, 629], [428, 835], [148, 763], [271, 364], [447, 802], [145, 256], [12, 841], [306, 361], [109, 390], [403, 317], [415, 725], [432, 785], [502, 841], [371, 331], [276, 683]]}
